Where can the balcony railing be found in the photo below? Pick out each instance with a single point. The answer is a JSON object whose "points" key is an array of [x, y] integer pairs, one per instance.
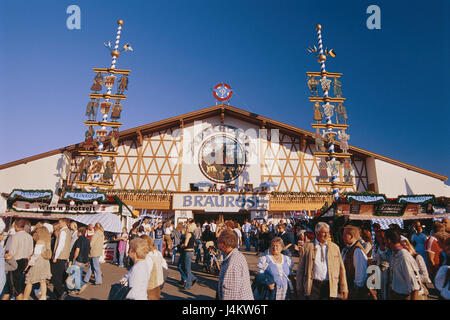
{"points": [[291, 201], [144, 199]]}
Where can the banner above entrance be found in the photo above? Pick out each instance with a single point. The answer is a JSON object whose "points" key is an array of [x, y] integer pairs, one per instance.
{"points": [[213, 202]]}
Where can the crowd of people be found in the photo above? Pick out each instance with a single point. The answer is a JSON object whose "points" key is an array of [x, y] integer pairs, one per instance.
{"points": [[32, 256], [295, 260], [334, 265]]}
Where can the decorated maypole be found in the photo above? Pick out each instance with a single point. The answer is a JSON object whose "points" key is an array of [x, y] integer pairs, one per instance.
{"points": [[330, 105], [93, 172]]}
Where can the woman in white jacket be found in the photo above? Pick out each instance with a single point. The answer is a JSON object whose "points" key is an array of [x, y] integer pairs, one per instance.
{"points": [[159, 270], [139, 275]]}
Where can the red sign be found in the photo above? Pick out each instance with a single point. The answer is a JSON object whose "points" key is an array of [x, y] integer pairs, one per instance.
{"points": [[222, 92]]}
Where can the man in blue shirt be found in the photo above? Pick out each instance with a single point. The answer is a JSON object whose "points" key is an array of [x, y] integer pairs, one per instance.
{"points": [[159, 235], [246, 228]]}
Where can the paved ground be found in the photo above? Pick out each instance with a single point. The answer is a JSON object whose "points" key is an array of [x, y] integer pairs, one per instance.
{"points": [[204, 289]]}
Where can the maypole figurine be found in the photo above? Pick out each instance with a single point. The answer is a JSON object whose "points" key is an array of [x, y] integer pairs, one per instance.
{"points": [[91, 110], [347, 171], [312, 85], [109, 170], [318, 115], [84, 168], [341, 113], [323, 170], [344, 138], [123, 84], [99, 174], [98, 83], [320, 144], [337, 88], [117, 109], [331, 106]]}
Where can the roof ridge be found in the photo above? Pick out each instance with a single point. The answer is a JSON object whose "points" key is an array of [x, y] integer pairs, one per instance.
{"points": [[201, 113]]}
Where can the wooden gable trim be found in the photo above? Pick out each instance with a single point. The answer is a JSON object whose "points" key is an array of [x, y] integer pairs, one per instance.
{"points": [[232, 111]]}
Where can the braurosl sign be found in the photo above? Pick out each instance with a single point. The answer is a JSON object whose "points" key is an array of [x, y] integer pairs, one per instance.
{"points": [[216, 202]]}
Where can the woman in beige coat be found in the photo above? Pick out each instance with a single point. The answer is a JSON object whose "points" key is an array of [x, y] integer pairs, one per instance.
{"points": [[39, 264], [94, 255]]}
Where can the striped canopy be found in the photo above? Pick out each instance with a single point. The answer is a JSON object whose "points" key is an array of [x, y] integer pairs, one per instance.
{"points": [[110, 222], [385, 222]]}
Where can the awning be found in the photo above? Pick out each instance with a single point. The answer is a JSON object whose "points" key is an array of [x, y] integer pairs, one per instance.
{"points": [[33, 215], [110, 222], [386, 222], [408, 217]]}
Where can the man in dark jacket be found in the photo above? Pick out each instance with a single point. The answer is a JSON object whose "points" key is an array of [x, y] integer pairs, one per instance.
{"points": [[80, 256], [287, 240], [207, 236]]}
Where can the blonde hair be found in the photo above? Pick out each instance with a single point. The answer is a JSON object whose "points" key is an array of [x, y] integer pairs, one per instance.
{"points": [[191, 227], [264, 228], [140, 247], [42, 234], [98, 225], [408, 246], [150, 242], [38, 225]]}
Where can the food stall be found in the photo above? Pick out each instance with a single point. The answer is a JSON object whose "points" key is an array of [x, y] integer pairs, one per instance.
{"points": [[82, 207], [365, 209]]}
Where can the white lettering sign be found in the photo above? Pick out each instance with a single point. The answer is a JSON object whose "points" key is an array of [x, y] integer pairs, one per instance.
{"points": [[413, 199], [366, 198], [64, 208], [84, 196], [31, 194]]}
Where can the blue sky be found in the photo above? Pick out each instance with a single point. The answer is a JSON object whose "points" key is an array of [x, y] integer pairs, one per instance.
{"points": [[394, 78]]}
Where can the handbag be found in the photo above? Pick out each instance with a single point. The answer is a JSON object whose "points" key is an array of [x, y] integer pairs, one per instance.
{"points": [[47, 254], [118, 291]]}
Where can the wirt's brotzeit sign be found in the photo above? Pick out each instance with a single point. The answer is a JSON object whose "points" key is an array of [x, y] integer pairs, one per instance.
{"points": [[64, 208]]}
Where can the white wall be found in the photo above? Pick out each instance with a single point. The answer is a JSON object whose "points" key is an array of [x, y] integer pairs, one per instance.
{"points": [[3, 205], [45, 173], [394, 180], [372, 173]]}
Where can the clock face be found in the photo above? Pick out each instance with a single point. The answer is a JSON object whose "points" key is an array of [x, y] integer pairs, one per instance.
{"points": [[222, 158]]}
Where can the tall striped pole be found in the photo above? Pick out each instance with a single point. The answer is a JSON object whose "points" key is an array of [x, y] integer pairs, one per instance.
{"points": [[115, 54], [321, 59]]}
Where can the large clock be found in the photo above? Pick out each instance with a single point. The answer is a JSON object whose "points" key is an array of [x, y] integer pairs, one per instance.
{"points": [[222, 158]]}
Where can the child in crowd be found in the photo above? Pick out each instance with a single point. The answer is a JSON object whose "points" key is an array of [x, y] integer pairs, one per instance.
{"points": [[212, 257]]}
